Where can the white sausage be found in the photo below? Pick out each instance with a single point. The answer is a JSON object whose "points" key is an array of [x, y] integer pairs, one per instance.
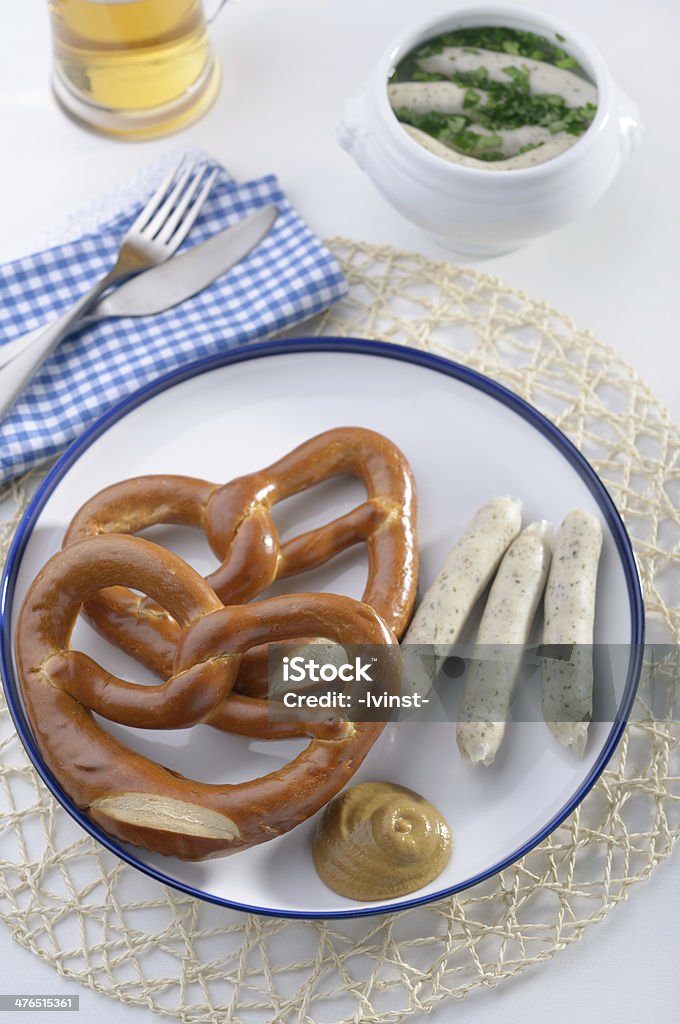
{"points": [[467, 570], [557, 144], [567, 686], [544, 78], [444, 97], [503, 632], [514, 139], [448, 98]]}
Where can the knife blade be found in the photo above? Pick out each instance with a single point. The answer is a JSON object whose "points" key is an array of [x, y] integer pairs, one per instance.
{"points": [[172, 282]]}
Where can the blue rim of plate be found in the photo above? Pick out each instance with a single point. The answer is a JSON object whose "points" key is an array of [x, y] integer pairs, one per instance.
{"points": [[243, 353]]}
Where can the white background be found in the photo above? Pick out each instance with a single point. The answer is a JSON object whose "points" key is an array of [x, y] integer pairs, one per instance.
{"points": [[288, 68]]}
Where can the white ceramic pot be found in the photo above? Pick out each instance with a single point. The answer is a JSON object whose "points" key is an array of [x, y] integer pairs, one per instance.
{"points": [[482, 211]]}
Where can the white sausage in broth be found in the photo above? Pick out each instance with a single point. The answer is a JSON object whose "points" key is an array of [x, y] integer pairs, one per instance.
{"points": [[567, 686], [545, 79], [503, 632], [468, 568], [445, 97], [449, 98], [531, 158]]}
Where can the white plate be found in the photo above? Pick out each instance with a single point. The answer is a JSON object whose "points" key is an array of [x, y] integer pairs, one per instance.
{"points": [[468, 440]]}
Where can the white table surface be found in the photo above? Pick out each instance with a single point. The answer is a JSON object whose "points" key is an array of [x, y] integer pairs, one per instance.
{"points": [[288, 67]]}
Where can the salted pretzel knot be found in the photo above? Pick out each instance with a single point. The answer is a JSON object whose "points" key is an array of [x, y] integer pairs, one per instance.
{"points": [[239, 527], [130, 796]]}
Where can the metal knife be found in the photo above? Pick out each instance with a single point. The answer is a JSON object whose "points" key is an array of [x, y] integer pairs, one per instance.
{"points": [[173, 282]]}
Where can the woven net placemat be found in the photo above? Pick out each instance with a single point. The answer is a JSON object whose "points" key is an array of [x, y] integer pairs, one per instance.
{"points": [[110, 928]]}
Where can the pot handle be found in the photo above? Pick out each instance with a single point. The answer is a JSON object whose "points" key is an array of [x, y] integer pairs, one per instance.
{"points": [[631, 130], [352, 132]]}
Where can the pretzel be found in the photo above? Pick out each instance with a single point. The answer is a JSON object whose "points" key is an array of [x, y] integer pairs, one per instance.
{"points": [[239, 527], [130, 796]]}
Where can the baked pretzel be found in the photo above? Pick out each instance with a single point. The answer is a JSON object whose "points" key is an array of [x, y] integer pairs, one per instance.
{"points": [[239, 527], [130, 796]]}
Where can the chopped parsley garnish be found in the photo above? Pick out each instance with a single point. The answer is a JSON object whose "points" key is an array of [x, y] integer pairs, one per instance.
{"points": [[520, 77], [418, 75], [489, 104], [472, 99]]}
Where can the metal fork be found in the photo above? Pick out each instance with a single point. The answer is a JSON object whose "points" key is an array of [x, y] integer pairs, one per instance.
{"points": [[156, 234]]}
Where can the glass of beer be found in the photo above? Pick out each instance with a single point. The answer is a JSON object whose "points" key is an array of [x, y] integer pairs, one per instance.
{"points": [[133, 68]]}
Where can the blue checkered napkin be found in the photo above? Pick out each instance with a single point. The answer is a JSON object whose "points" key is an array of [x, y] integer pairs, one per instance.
{"points": [[287, 278]]}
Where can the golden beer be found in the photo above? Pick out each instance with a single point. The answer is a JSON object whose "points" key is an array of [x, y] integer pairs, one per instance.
{"points": [[132, 67]]}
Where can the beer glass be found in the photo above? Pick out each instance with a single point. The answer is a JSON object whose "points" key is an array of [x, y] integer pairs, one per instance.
{"points": [[134, 68]]}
